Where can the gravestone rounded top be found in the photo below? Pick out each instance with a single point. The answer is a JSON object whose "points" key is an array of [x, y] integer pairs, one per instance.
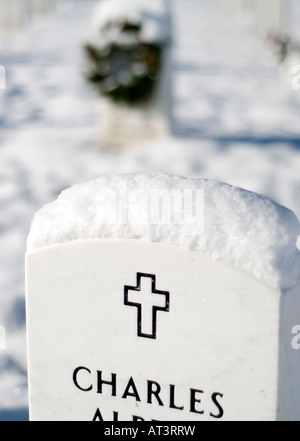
{"points": [[230, 224], [152, 16]]}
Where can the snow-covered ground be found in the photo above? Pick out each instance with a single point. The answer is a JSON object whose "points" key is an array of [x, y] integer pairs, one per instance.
{"points": [[234, 120]]}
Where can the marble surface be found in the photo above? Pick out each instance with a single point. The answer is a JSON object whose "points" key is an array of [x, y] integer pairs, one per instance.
{"points": [[122, 330]]}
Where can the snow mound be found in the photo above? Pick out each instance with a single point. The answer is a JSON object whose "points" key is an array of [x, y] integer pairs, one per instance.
{"points": [[242, 228], [152, 15]]}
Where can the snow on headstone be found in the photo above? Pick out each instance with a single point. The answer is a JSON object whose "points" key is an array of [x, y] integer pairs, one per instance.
{"points": [[163, 298], [128, 62]]}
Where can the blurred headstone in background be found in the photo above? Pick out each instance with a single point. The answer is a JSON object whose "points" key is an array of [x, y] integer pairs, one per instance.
{"points": [[277, 23], [14, 14], [291, 41], [293, 18], [127, 62], [39, 7], [263, 15]]}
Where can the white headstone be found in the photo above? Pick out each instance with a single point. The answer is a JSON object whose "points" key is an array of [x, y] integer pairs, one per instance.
{"points": [[39, 7], [122, 123], [292, 14], [171, 319], [14, 14]]}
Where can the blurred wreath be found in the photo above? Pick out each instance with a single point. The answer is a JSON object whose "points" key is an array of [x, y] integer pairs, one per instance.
{"points": [[124, 67]]}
